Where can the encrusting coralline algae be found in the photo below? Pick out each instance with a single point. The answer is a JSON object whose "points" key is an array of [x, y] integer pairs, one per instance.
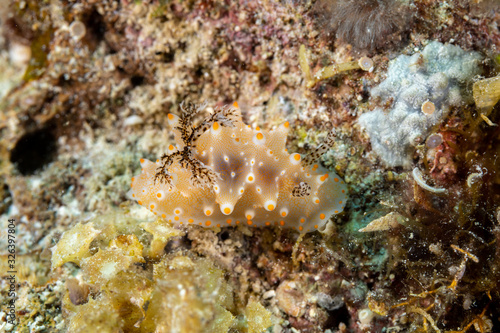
{"points": [[224, 173]]}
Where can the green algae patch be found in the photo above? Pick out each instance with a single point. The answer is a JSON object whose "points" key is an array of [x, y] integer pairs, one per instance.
{"points": [[162, 232], [39, 51], [135, 286], [258, 317], [114, 224], [105, 264], [74, 245], [190, 295], [223, 321], [99, 315], [180, 294], [34, 14]]}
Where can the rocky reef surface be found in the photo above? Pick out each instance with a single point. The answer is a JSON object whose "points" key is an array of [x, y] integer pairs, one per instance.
{"points": [[85, 89]]}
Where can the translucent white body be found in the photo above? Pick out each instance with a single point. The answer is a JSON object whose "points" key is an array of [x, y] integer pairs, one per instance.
{"points": [[257, 178]]}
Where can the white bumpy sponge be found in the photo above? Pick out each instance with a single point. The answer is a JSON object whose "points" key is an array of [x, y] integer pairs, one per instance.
{"points": [[423, 88]]}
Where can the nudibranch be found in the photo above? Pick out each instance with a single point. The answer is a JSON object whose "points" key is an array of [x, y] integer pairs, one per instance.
{"points": [[224, 173]]}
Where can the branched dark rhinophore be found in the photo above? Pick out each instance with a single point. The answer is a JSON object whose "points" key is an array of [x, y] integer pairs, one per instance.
{"points": [[162, 174], [202, 175], [301, 190], [314, 155], [224, 116]]}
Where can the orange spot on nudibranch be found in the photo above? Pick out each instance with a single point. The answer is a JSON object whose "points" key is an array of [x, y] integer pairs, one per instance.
{"points": [[158, 195], [228, 221], [301, 228], [336, 212], [315, 226], [227, 210], [296, 157], [286, 124], [302, 220], [190, 220], [324, 177], [235, 104], [215, 126], [268, 223], [249, 222], [282, 222], [142, 160], [139, 202], [176, 218], [322, 216], [260, 136], [335, 179], [270, 207], [164, 216], [208, 223], [170, 116]]}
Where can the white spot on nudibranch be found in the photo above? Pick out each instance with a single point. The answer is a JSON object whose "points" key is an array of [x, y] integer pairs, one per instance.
{"points": [[250, 178], [259, 139], [270, 205], [226, 208]]}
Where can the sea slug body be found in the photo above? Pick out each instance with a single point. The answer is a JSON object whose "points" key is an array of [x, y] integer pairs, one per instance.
{"points": [[225, 173]]}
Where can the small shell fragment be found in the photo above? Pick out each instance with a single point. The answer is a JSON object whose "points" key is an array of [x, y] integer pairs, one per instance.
{"points": [[366, 64], [417, 175], [385, 222], [487, 120], [77, 30], [19, 54], [428, 107], [434, 140], [132, 121]]}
